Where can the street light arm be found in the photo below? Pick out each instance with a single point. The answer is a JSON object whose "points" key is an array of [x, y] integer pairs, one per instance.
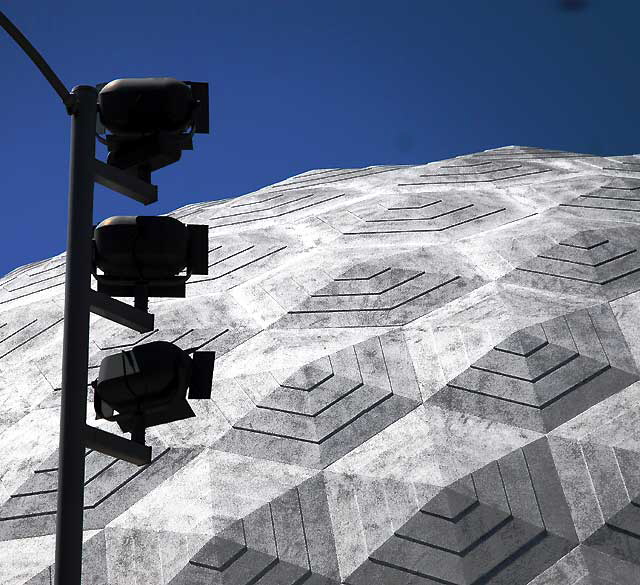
{"points": [[69, 99]]}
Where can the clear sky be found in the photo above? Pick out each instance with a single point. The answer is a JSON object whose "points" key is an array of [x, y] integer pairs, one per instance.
{"points": [[307, 84]]}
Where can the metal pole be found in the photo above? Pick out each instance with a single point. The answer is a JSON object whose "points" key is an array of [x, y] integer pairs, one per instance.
{"points": [[75, 345]]}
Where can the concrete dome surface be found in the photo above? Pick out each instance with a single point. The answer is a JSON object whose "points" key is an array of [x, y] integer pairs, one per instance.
{"points": [[425, 374]]}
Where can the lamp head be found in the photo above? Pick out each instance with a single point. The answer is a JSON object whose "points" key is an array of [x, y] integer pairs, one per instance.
{"points": [[147, 118], [150, 250], [149, 382]]}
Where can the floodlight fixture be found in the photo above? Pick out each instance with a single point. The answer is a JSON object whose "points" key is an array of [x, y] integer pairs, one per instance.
{"points": [[142, 256], [147, 385], [147, 118]]}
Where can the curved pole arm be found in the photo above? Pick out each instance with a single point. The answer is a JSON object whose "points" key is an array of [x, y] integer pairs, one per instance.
{"points": [[68, 99]]}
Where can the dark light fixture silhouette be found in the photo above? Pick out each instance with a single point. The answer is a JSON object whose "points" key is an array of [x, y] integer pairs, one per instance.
{"points": [[146, 386], [147, 118], [141, 256]]}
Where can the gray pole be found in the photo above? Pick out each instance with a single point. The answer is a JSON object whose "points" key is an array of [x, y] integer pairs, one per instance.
{"points": [[75, 344]]}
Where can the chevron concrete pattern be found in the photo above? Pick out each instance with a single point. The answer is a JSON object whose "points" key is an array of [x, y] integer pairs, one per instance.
{"points": [[388, 296], [425, 374], [318, 414], [286, 541], [546, 374], [510, 526], [110, 484], [602, 263]]}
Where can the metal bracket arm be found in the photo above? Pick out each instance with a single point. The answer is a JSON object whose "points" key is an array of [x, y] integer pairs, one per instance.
{"points": [[120, 312], [116, 446], [122, 182]]}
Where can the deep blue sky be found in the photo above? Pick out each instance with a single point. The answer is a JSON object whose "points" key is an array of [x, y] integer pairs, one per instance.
{"points": [[299, 85]]}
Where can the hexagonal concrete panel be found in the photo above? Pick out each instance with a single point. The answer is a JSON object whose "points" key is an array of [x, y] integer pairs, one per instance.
{"points": [[546, 374]]}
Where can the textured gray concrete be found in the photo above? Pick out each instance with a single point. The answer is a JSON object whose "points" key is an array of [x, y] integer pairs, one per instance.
{"points": [[425, 375]]}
